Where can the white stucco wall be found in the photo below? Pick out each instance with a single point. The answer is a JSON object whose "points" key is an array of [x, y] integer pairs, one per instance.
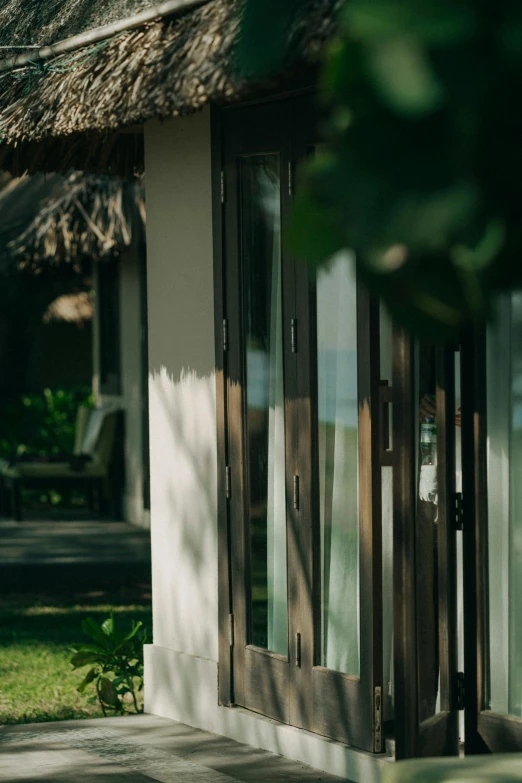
{"points": [[182, 406]]}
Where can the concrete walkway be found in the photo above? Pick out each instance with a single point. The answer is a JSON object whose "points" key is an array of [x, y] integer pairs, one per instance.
{"points": [[39, 542], [138, 749], [81, 554]]}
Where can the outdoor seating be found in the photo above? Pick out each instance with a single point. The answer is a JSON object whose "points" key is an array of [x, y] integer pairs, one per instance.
{"points": [[95, 465]]}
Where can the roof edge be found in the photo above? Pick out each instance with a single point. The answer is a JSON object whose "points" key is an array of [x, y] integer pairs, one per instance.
{"points": [[97, 34]]}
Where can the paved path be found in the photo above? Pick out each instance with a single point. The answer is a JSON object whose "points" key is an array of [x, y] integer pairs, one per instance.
{"points": [[82, 554], [61, 542], [136, 750]]}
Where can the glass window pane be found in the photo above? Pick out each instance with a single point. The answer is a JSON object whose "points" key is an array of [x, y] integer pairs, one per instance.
{"points": [[338, 464], [426, 518], [504, 463], [264, 392]]}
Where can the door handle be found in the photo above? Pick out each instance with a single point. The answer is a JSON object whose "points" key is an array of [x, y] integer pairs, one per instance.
{"points": [[298, 649], [385, 400]]}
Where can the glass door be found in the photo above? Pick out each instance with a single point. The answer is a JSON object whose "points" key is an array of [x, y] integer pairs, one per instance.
{"points": [[426, 681], [304, 450], [492, 454], [338, 383], [259, 294]]}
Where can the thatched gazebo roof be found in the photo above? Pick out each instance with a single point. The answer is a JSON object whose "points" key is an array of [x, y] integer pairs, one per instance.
{"points": [[50, 220], [71, 308], [70, 110]]}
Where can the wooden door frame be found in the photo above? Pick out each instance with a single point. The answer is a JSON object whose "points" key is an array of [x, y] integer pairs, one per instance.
{"points": [[225, 665], [342, 706], [362, 707], [437, 735], [262, 677]]}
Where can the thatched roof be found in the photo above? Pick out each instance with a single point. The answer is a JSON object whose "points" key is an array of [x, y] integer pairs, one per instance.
{"points": [[41, 23], [71, 308], [55, 219], [68, 111]]}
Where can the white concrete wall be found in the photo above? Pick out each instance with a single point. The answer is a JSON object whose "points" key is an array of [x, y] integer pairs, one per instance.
{"points": [[130, 398], [182, 405]]}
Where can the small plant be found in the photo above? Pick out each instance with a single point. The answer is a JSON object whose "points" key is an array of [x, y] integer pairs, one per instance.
{"points": [[117, 673]]}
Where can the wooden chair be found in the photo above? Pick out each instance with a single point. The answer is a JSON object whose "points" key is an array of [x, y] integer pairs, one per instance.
{"points": [[96, 465]]}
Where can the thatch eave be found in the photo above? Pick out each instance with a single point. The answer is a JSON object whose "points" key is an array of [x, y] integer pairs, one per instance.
{"points": [[54, 220], [70, 112], [71, 308]]}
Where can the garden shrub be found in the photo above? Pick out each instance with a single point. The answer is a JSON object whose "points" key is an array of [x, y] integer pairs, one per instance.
{"points": [[42, 424]]}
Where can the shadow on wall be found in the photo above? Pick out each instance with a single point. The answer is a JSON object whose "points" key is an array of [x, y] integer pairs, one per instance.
{"points": [[184, 511], [185, 583]]}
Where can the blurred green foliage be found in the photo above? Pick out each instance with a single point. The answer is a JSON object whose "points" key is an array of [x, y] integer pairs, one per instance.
{"points": [[42, 424], [421, 172], [493, 768]]}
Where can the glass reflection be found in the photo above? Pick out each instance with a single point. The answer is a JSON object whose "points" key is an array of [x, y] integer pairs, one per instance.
{"points": [[504, 460], [265, 423], [426, 529], [338, 464]]}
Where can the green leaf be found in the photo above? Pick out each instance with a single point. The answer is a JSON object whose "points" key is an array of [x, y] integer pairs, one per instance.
{"points": [[118, 681], [314, 234], [134, 630], [108, 693], [264, 38], [404, 77], [89, 677], [435, 22], [83, 658], [108, 626], [92, 629]]}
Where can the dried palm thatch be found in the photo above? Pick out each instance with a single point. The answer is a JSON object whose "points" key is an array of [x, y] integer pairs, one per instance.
{"points": [[76, 103], [71, 308], [58, 220], [37, 22]]}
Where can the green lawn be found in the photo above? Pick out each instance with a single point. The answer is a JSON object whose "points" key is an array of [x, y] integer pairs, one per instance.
{"points": [[36, 633]]}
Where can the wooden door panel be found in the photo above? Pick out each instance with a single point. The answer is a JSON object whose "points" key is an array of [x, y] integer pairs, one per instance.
{"points": [[256, 144], [339, 711], [266, 684], [425, 633], [297, 688]]}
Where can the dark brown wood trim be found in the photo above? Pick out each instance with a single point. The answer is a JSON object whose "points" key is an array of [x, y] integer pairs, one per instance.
{"points": [[404, 549], [225, 679], [436, 734], [474, 541], [370, 492], [302, 84], [447, 540]]}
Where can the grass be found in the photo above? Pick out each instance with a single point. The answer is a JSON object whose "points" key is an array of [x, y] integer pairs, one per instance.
{"points": [[37, 630]]}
